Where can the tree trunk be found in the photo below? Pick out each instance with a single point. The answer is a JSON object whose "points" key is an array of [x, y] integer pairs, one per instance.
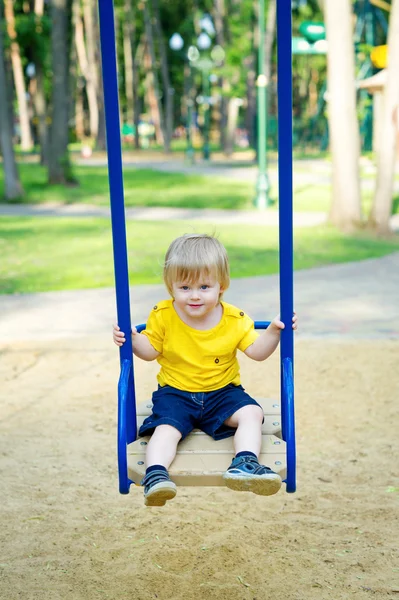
{"points": [[19, 81], [131, 70], [101, 142], [86, 60], [154, 97], [128, 60], [269, 37], [12, 184], [382, 206], [232, 119], [250, 115], [39, 96], [59, 165], [168, 91], [93, 57], [345, 210], [79, 114], [219, 19]]}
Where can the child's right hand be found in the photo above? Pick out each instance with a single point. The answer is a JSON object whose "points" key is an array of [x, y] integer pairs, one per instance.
{"points": [[119, 336]]}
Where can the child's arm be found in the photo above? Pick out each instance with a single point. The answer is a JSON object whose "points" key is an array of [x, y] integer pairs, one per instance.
{"points": [[267, 342], [141, 344]]}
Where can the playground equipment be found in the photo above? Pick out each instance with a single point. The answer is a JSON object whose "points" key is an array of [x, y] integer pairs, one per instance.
{"points": [[200, 460]]}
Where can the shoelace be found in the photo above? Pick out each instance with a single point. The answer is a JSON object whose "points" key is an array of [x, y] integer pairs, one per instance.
{"points": [[154, 477]]}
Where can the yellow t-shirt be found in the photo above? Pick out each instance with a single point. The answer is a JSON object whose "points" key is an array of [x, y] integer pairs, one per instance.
{"points": [[195, 360]]}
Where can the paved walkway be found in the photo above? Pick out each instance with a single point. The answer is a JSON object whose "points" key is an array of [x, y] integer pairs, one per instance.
{"points": [[211, 215], [306, 173], [267, 217], [352, 300]]}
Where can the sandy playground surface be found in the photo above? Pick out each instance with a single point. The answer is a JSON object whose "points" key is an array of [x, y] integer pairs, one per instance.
{"points": [[66, 533]]}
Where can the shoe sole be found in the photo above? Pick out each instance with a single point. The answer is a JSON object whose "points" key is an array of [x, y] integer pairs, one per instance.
{"points": [[263, 485], [160, 493]]}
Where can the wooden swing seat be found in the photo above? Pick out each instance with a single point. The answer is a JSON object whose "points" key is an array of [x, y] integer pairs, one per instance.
{"points": [[201, 461]]}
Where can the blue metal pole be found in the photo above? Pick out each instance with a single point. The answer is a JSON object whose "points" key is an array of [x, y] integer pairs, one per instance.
{"points": [[284, 71], [115, 174]]}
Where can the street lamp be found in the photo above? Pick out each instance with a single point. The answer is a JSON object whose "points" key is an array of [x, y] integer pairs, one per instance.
{"points": [[262, 185], [205, 65], [176, 43], [204, 43]]}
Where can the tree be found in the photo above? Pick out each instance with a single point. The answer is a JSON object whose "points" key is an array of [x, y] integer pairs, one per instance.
{"points": [[168, 91], [382, 206], [59, 165], [39, 96], [345, 210], [153, 92], [131, 71], [19, 81], [13, 188], [85, 53]]}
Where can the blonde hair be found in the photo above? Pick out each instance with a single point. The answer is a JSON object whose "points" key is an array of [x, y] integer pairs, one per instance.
{"points": [[192, 255]]}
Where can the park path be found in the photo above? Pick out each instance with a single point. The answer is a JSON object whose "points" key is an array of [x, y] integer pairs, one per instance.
{"points": [[352, 300], [153, 213], [356, 300], [306, 173]]}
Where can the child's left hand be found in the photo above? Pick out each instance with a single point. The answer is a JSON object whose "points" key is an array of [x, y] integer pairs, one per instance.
{"points": [[277, 324]]}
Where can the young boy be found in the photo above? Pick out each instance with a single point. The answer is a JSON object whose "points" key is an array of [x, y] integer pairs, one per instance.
{"points": [[194, 336]]}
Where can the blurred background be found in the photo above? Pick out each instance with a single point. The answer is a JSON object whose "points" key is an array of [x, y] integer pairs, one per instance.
{"points": [[198, 120]]}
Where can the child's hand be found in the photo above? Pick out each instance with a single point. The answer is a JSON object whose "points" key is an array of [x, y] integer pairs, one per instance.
{"points": [[119, 336], [277, 325]]}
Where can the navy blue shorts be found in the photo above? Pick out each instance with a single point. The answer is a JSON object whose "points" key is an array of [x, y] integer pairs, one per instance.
{"points": [[196, 410]]}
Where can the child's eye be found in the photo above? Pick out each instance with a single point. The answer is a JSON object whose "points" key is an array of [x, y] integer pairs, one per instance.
{"points": [[204, 287], [184, 288]]}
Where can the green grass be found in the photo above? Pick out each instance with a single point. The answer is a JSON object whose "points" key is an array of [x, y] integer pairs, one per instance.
{"points": [[42, 254], [145, 187]]}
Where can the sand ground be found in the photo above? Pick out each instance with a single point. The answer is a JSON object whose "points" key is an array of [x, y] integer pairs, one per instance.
{"points": [[66, 533]]}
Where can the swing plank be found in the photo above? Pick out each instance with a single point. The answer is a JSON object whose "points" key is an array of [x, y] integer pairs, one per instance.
{"points": [[201, 461]]}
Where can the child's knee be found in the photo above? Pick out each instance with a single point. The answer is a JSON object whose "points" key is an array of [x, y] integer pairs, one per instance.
{"points": [[251, 412], [167, 431]]}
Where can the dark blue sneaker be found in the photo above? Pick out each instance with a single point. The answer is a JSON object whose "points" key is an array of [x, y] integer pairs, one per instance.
{"points": [[158, 488], [245, 474]]}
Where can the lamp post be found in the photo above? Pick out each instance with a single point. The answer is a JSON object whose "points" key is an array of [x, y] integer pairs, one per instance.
{"points": [[262, 185], [176, 43], [205, 64]]}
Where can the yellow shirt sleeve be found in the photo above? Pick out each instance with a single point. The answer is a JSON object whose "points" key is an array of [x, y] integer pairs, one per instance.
{"points": [[155, 330], [249, 333]]}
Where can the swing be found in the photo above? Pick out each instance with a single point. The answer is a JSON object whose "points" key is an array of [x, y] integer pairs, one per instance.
{"points": [[200, 460]]}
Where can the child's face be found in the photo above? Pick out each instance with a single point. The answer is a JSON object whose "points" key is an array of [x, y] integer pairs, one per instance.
{"points": [[197, 299]]}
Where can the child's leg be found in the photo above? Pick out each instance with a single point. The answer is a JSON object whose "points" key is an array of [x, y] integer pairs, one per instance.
{"points": [[248, 436], [245, 473], [161, 451]]}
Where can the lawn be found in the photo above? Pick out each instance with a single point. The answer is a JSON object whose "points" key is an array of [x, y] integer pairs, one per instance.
{"points": [[143, 187], [42, 254], [147, 187]]}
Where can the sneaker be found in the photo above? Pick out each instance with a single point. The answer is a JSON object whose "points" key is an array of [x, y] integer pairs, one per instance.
{"points": [[158, 488], [245, 474]]}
